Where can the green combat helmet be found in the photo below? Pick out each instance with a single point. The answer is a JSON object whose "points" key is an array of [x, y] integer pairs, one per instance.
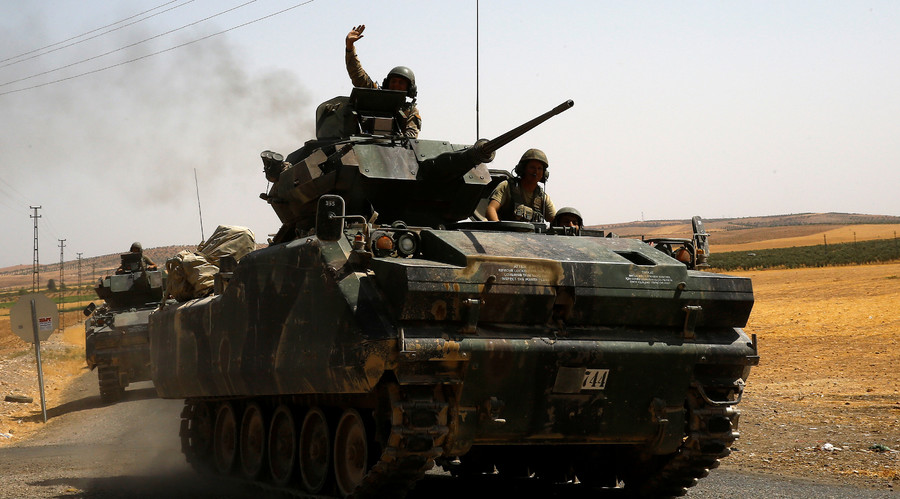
{"points": [[566, 212], [403, 72], [533, 154]]}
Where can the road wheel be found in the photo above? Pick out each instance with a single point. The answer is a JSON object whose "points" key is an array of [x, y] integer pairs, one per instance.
{"points": [[196, 432], [252, 441], [225, 439], [282, 445], [351, 452], [111, 391], [315, 451]]}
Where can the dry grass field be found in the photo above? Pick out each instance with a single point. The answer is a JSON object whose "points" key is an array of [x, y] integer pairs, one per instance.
{"points": [[781, 237], [750, 234]]}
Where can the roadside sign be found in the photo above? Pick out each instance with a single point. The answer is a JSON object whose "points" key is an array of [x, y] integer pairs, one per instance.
{"points": [[20, 317], [34, 318]]}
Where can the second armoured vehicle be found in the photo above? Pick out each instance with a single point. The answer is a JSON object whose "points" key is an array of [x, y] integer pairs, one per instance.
{"points": [[116, 333], [382, 332]]}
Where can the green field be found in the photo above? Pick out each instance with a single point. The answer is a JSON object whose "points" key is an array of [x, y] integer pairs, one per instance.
{"points": [[822, 255]]}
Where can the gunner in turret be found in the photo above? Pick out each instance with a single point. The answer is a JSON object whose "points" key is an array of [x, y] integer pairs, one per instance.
{"points": [[145, 260], [522, 198], [400, 78]]}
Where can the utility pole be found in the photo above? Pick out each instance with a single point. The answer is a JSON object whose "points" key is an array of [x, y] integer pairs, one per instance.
{"points": [[79, 281], [35, 263], [78, 257], [62, 244]]}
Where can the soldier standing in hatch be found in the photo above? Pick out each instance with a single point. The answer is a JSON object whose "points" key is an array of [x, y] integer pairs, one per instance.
{"points": [[137, 248], [522, 198], [400, 78]]}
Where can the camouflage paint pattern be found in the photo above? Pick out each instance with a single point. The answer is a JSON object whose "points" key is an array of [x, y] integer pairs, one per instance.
{"points": [[299, 319], [117, 333], [479, 336]]}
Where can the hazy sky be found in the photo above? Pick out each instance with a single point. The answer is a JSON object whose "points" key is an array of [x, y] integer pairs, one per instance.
{"points": [[722, 109]]}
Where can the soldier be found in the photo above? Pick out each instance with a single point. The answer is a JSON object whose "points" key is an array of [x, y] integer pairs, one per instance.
{"points": [[400, 78], [522, 198], [147, 262], [568, 217]]}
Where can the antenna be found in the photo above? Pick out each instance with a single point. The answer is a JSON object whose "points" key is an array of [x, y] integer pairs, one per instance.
{"points": [[477, 78], [197, 185]]}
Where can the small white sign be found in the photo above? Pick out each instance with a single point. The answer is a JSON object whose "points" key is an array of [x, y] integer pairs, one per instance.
{"points": [[45, 324]]}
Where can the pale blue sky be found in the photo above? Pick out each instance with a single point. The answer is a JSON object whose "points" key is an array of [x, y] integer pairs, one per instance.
{"points": [[722, 109]]}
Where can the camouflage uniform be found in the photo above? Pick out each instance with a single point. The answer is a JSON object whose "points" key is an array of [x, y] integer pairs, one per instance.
{"points": [[147, 261], [408, 112], [510, 195]]}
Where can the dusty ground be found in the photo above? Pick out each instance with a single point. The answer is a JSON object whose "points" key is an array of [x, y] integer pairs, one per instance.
{"points": [[829, 346], [823, 404], [62, 357]]}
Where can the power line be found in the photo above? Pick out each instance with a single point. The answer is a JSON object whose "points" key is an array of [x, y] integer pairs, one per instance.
{"points": [[14, 208], [10, 197], [126, 46], [301, 4], [13, 205], [48, 225], [11, 189], [88, 33]]}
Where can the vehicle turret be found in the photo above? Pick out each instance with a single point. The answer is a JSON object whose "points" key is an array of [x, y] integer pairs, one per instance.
{"points": [[133, 285], [360, 155]]}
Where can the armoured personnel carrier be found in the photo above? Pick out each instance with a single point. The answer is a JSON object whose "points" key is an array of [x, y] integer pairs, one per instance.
{"points": [[116, 333], [383, 332]]}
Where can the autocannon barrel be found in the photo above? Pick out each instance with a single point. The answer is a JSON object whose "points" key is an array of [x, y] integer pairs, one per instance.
{"points": [[455, 164], [491, 146]]}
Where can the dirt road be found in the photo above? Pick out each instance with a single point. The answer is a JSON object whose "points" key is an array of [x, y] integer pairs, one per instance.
{"points": [[131, 450], [88, 449]]}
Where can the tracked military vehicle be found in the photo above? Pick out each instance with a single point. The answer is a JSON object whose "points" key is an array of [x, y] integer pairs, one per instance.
{"points": [[116, 333], [383, 331]]}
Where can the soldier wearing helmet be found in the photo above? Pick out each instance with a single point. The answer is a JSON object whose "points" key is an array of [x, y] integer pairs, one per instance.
{"points": [[568, 217], [400, 78], [146, 261], [522, 198]]}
